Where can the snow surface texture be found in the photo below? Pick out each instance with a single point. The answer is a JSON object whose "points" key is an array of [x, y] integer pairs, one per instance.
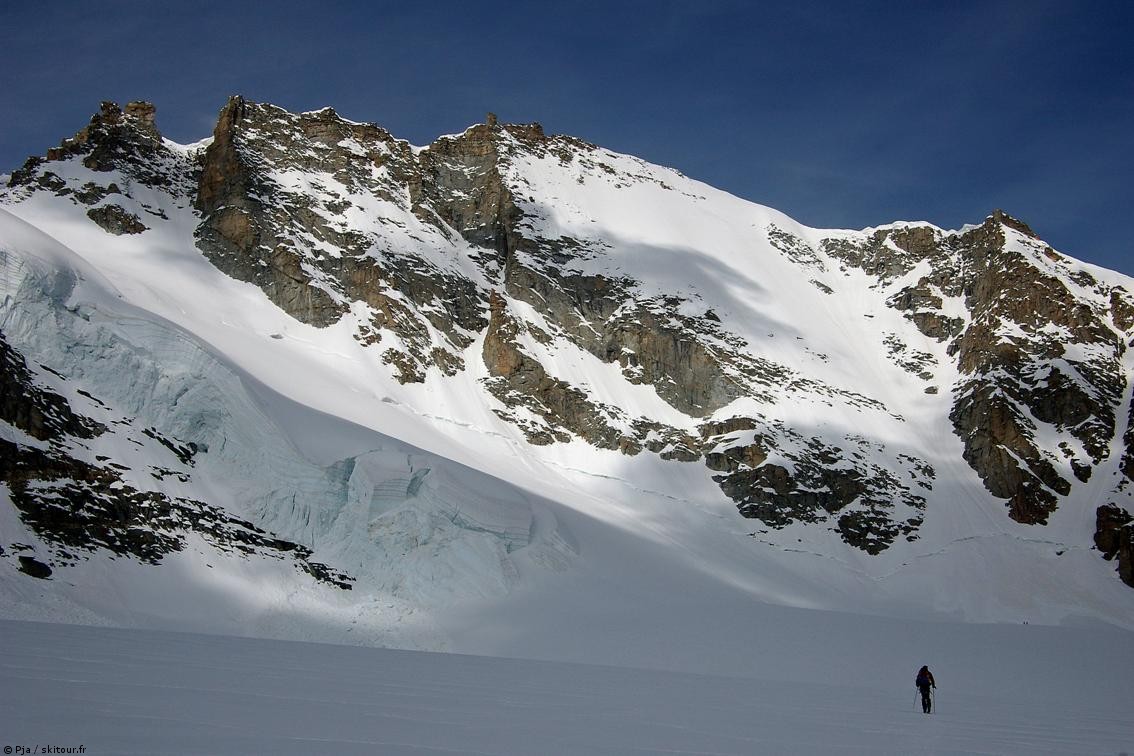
{"points": [[152, 693]]}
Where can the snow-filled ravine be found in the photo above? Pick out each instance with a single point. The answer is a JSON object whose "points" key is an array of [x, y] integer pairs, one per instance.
{"points": [[1020, 690]]}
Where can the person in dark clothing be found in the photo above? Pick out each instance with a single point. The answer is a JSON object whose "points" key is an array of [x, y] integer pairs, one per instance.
{"points": [[924, 683]]}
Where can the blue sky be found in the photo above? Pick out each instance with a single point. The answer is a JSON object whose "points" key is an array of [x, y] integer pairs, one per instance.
{"points": [[841, 114]]}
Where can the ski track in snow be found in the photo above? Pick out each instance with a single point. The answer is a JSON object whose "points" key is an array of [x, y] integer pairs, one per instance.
{"points": [[147, 692]]}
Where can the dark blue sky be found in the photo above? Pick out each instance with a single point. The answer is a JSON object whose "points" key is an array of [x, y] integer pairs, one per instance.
{"points": [[841, 114]]}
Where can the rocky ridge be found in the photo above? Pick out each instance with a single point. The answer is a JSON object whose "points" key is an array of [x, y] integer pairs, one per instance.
{"points": [[449, 253]]}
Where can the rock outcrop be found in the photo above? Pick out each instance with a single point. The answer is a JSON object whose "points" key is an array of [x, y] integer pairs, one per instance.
{"points": [[123, 144], [278, 194], [1013, 351], [1114, 537]]}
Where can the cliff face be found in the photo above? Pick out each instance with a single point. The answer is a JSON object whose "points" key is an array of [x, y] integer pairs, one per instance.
{"points": [[552, 268], [1032, 344], [319, 213]]}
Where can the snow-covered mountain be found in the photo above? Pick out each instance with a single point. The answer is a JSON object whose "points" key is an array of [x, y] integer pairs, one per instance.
{"points": [[511, 390]]}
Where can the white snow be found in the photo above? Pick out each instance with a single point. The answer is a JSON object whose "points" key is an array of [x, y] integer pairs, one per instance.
{"points": [[154, 693]]}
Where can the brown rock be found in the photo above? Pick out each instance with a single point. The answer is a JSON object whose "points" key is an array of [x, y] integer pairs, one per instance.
{"points": [[115, 220]]}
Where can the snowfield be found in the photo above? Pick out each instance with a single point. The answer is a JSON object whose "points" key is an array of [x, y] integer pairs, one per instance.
{"points": [[151, 693]]}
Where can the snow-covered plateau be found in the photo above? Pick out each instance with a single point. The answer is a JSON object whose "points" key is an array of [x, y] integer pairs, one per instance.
{"points": [[517, 397]]}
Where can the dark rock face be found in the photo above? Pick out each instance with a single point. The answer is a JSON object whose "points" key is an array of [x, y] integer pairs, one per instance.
{"points": [[1011, 350], [236, 233], [997, 434], [115, 139], [125, 145], [1035, 357], [521, 381], [1114, 537], [78, 505], [82, 507], [115, 220], [1029, 375], [1128, 443], [867, 505], [37, 411], [458, 183], [260, 226], [34, 567], [1121, 309]]}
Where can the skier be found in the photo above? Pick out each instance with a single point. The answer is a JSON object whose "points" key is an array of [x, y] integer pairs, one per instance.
{"points": [[924, 682]]}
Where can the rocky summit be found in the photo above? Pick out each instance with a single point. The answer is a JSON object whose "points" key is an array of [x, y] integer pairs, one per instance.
{"points": [[869, 394]]}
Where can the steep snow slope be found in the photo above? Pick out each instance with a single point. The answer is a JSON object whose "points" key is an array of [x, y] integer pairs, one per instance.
{"points": [[411, 529]]}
